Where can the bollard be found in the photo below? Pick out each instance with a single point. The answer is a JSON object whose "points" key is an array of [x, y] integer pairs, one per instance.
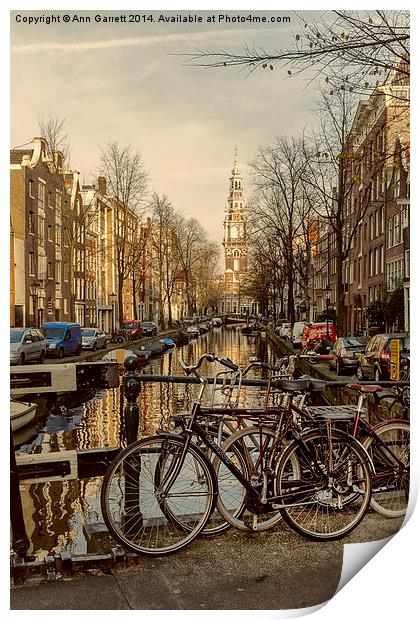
{"points": [[131, 387]]}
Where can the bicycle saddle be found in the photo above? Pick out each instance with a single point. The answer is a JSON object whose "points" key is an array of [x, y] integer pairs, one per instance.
{"points": [[287, 385], [367, 389]]}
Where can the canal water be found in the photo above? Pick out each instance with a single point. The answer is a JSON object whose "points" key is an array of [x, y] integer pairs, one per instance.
{"points": [[57, 513]]}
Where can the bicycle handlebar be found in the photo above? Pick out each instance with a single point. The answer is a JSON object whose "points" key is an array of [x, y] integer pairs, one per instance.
{"points": [[210, 357]]}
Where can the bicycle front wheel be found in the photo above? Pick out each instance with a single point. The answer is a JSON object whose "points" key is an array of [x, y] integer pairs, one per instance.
{"points": [[390, 454], [143, 515], [327, 496]]}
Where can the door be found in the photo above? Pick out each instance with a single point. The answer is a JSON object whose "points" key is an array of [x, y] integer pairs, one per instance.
{"points": [[67, 342]]}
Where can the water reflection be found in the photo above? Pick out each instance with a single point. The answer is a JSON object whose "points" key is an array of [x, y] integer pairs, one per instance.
{"points": [[55, 512]]}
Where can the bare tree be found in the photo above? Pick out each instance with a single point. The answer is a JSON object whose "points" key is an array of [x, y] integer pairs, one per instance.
{"points": [[350, 50], [192, 248], [126, 179], [164, 243], [53, 131], [281, 207]]}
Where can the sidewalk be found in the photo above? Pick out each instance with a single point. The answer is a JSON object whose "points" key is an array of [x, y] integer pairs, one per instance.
{"points": [[272, 570]]}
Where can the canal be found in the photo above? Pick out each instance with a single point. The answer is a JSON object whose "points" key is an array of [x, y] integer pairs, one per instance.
{"points": [[56, 513]]}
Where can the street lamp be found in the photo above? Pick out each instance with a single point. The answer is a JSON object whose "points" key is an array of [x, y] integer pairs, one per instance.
{"points": [[113, 296], [33, 290], [327, 293]]}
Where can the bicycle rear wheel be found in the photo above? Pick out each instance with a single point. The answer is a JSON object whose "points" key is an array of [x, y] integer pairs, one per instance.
{"points": [[232, 503], [327, 496], [145, 517], [390, 479]]}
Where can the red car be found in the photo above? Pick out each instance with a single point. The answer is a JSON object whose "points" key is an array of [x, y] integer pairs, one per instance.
{"points": [[134, 329], [313, 332]]}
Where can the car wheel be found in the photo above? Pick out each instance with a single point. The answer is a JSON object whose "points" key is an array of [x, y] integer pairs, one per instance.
{"points": [[41, 357], [60, 353], [21, 359], [78, 350], [377, 376], [95, 346], [338, 368]]}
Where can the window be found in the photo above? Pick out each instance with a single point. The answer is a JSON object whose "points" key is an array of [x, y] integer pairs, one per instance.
{"points": [[50, 272], [58, 272], [371, 226], [65, 305], [31, 188], [371, 263], [41, 195], [50, 233], [407, 264], [41, 230], [31, 227], [397, 229], [58, 204], [397, 184], [31, 264], [377, 226], [376, 266], [382, 258], [382, 215], [49, 201], [58, 236], [390, 233], [66, 272]]}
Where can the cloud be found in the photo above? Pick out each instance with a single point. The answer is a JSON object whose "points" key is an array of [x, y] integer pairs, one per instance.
{"points": [[55, 46]]}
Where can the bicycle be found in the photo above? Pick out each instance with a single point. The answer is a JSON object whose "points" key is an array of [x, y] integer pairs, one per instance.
{"points": [[159, 493], [388, 444]]}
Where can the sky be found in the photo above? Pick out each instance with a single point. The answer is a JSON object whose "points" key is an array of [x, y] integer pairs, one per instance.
{"points": [[127, 81]]}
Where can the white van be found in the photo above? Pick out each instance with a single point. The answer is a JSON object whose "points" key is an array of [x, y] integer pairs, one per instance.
{"points": [[297, 333]]}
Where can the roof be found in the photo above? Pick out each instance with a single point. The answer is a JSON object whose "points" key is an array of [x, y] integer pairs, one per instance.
{"points": [[17, 154]]}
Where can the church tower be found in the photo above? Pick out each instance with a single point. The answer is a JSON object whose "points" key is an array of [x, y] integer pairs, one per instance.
{"points": [[235, 245]]}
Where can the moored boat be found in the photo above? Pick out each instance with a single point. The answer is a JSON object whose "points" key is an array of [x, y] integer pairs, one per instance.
{"points": [[21, 414]]}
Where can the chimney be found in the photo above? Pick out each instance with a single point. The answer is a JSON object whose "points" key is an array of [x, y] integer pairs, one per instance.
{"points": [[102, 185], [58, 160]]}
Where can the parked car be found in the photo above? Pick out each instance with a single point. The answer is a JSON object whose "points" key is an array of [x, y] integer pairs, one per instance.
{"points": [[63, 339], [313, 332], [297, 333], [375, 361], [133, 329], [285, 331], [93, 338], [149, 328], [345, 351], [26, 344]]}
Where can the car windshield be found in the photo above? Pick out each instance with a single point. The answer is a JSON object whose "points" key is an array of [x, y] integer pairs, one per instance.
{"points": [[129, 325], [352, 342], [405, 345], [147, 325], [54, 333], [88, 332], [16, 336]]}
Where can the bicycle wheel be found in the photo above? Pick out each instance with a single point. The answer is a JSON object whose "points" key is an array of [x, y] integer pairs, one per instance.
{"points": [[390, 406], [390, 479], [232, 503], [226, 485], [216, 524], [145, 517], [327, 496]]}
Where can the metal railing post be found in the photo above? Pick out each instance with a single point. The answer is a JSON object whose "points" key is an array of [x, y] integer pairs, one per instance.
{"points": [[131, 387], [20, 541]]}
